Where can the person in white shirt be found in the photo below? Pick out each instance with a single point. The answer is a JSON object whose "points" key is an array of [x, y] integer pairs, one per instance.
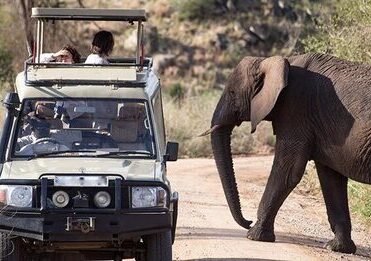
{"points": [[101, 48], [67, 54]]}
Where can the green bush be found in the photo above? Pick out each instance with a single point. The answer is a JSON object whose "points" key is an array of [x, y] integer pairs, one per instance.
{"points": [[194, 9], [176, 91], [6, 71], [346, 33], [360, 201]]}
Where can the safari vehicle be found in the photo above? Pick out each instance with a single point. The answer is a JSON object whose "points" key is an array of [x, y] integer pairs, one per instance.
{"points": [[83, 156]]}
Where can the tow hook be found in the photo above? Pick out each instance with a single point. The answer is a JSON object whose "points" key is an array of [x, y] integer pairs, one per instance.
{"points": [[85, 225]]}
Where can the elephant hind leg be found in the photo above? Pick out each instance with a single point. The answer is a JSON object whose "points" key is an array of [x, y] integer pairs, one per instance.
{"points": [[334, 190]]}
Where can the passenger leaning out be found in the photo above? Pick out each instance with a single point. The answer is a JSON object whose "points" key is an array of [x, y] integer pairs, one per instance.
{"points": [[67, 54], [101, 48]]}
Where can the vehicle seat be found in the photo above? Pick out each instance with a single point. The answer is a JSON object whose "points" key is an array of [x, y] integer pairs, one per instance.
{"points": [[83, 121], [126, 129]]}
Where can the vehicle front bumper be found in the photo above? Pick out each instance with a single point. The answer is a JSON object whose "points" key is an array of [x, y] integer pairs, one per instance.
{"points": [[109, 225]]}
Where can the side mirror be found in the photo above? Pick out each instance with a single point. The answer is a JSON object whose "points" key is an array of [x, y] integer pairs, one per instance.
{"points": [[171, 151], [11, 100]]}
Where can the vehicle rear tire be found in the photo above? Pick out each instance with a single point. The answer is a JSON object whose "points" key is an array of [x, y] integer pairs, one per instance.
{"points": [[159, 246], [11, 248]]}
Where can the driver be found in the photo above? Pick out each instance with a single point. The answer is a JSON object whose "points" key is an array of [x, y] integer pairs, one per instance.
{"points": [[39, 140]]}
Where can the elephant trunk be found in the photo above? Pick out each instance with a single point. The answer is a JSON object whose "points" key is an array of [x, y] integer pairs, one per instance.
{"points": [[221, 145]]}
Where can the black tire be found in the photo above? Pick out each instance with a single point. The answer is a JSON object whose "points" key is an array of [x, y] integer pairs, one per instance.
{"points": [[11, 248], [159, 246]]}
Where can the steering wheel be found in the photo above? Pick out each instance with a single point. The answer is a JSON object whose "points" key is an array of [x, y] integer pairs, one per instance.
{"points": [[42, 140]]}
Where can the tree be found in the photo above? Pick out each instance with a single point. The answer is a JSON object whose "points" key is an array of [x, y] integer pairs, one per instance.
{"points": [[25, 10]]}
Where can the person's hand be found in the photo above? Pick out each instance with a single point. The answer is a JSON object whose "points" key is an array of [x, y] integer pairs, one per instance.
{"points": [[63, 56], [61, 53]]}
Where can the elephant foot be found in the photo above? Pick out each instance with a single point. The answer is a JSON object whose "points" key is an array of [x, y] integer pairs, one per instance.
{"points": [[343, 246], [258, 233]]}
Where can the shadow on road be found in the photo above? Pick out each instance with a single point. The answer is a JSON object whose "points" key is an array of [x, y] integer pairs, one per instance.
{"points": [[230, 259], [184, 233], [316, 242]]}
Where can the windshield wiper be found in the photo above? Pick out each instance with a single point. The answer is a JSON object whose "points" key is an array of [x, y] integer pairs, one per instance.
{"points": [[43, 155], [98, 153], [125, 152]]}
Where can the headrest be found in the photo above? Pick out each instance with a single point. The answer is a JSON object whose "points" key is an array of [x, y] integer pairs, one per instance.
{"points": [[130, 113], [43, 110]]}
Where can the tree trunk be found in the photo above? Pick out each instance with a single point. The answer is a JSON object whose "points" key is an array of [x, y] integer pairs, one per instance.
{"points": [[24, 10]]}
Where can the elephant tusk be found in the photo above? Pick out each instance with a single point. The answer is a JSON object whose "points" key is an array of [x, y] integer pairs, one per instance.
{"points": [[209, 131]]}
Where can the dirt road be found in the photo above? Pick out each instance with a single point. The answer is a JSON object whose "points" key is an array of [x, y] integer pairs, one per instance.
{"points": [[206, 230]]}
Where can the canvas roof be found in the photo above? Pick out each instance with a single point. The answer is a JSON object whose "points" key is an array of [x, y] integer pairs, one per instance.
{"points": [[89, 14]]}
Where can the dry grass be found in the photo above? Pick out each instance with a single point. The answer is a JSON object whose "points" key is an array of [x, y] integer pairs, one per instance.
{"points": [[359, 201], [309, 185], [186, 119]]}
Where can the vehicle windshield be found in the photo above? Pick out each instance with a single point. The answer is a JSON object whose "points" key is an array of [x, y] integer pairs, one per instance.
{"points": [[83, 127]]}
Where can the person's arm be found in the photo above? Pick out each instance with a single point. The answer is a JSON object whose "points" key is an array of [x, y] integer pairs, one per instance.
{"points": [[47, 57]]}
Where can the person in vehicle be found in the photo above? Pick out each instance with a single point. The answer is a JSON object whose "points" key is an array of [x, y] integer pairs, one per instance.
{"points": [[67, 54], [39, 140], [39, 129], [101, 48]]}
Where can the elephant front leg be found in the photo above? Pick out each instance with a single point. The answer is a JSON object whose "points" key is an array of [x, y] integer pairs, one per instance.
{"points": [[334, 190], [287, 170]]}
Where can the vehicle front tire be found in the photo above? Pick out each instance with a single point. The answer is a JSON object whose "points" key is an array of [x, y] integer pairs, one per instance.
{"points": [[11, 248], [159, 246]]}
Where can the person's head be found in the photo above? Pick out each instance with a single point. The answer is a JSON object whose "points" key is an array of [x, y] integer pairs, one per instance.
{"points": [[39, 127], [102, 43], [68, 54]]}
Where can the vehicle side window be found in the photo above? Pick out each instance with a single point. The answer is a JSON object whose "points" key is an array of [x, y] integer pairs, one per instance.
{"points": [[158, 115]]}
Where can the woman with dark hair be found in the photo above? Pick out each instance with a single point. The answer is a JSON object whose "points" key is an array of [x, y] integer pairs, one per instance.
{"points": [[101, 48], [67, 54]]}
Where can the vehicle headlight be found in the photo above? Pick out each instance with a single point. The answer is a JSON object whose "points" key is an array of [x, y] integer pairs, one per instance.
{"points": [[144, 197], [60, 199], [102, 199], [16, 196]]}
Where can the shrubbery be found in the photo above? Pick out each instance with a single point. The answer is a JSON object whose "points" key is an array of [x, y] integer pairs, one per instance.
{"points": [[195, 9]]}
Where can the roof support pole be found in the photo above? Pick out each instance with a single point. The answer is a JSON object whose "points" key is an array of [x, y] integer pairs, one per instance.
{"points": [[139, 41], [42, 38], [38, 40]]}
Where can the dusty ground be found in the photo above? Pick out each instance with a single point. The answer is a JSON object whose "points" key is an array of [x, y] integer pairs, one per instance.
{"points": [[206, 230]]}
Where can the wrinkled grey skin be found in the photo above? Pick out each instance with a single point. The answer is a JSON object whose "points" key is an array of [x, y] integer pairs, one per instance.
{"points": [[320, 108]]}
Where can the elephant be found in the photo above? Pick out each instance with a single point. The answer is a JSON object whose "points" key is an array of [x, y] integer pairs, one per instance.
{"points": [[320, 109]]}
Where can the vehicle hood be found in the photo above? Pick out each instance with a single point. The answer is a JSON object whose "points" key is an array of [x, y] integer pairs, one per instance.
{"points": [[129, 169]]}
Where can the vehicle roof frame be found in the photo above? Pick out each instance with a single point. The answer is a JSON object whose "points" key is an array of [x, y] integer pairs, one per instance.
{"points": [[87, 14]]}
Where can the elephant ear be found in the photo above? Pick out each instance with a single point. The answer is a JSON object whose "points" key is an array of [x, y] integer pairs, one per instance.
{"points": [[275, 71]]}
